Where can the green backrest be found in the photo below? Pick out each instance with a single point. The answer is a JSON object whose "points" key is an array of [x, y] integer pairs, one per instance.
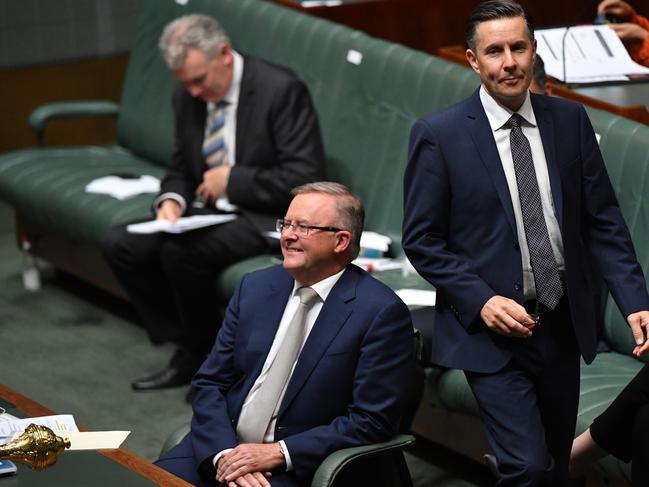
{"points": [[145, 124], [625, 147]]}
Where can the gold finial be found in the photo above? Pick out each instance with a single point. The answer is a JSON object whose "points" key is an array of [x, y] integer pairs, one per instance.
{"points": [[37, 447]]}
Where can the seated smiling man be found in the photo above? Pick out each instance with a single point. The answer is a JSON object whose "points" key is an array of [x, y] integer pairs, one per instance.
{"points": [[313, 356]]}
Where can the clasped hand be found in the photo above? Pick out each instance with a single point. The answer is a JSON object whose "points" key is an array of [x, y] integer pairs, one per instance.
{"points": [[639, 324], [249, 464], [214, 184]]}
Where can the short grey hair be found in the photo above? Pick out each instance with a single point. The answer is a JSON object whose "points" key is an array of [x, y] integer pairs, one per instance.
{"points": [[348, 206], [191, 31]]}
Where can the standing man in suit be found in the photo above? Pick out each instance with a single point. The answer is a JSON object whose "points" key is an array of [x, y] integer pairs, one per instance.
{"points": [[246, 133], [353, 382], [505, 193]]}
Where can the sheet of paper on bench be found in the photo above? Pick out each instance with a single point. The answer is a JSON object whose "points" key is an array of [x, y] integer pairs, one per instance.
{"points": [[95, 440], [59, 423], [181, 225], [122, 188], [417, 297], [594, 53]]}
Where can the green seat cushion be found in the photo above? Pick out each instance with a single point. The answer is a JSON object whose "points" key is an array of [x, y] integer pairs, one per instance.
{"points": [[48, 187]]}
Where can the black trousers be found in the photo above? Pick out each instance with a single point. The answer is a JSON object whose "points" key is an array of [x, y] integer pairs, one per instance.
{"points": [[623, 429], [171, 279], [529, 408]]}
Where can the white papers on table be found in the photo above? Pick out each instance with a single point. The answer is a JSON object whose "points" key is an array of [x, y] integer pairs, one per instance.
{"points": [[375, 241], [59, 423], [417, 297], [122, 188], [94, 440], [594, 53], [181, 225], [377, 264]]}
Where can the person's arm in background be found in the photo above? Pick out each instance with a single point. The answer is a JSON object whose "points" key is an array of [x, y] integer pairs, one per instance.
{"points": [[632, 29]]}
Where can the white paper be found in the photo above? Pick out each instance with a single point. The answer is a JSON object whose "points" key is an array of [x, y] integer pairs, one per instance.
{"points": [[59, 423], [181, 225], [94, 440], [375, 241], [377, 264], [417, 297], [594, 53], [122, 188]]}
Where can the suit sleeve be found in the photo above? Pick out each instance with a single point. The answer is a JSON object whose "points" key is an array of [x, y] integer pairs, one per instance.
{"points": [[298, 153], [179, 178], [427, 212], [212, 429], [386, 387], [606, 232]]}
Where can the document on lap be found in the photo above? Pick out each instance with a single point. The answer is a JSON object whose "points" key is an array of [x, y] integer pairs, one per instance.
{"points": [[63, 425], [182, 225]]}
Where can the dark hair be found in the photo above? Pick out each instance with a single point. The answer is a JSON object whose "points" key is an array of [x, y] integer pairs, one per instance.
{"points": [[540, 75], [494, 10]]}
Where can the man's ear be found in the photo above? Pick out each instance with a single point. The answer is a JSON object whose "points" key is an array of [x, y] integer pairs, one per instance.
{"points": [[473, 60], [343, 241]]}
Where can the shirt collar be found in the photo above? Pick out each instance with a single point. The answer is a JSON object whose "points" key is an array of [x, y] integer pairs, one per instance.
{"points": [[498, 115], [232, 96], [324, 287]]}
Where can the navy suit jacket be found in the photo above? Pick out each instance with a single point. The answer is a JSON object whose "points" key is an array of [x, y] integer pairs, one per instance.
{"points": [[278, 143], [460, 232], [354, 382]]}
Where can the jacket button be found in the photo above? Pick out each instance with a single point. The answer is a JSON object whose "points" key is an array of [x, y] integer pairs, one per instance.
{"points": [[516, 246], [517, 287]]}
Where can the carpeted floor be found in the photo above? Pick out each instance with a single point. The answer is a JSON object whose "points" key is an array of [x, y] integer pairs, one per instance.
{"points": [[75, 349]]}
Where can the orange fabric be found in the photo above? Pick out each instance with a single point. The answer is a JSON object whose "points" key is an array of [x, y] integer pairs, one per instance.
{"points": [[639, 51]]}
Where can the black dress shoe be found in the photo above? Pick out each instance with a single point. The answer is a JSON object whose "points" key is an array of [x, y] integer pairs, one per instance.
{"points": [[178, 373]]}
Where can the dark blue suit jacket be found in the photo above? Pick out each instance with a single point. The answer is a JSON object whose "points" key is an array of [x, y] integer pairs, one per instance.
{"points": [[460, 231], [354, 382]]}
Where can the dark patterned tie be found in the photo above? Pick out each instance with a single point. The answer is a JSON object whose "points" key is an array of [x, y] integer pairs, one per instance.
{"points": [[547, 279], [214, 148]]}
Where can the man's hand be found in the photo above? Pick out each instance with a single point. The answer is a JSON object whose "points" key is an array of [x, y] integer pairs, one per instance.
{"points": [[215, 181], [254, 479], [629, 32], [249, 458], [506, 317], [617, 8], [639, 323], [169, 210]]}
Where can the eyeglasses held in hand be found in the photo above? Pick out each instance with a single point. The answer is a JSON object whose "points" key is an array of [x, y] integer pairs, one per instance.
{"points": [[299, 229]]}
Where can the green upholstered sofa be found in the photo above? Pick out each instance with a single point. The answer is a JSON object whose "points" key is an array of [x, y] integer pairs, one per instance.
{"points": [[367, 92]]}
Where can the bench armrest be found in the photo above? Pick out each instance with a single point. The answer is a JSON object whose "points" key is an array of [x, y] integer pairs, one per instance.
{"points": [[71, 109], [334, 463]]}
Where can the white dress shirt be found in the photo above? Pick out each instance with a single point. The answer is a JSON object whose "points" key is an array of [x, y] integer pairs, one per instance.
{"points": [[498, 116], [322, 288]]}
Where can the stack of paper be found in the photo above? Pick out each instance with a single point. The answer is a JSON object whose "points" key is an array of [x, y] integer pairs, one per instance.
{"points": [[593, 53], [122, 188], [181, 225]]}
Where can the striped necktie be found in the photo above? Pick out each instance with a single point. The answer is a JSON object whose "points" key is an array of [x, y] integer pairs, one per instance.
{"points": [[214, 149]]}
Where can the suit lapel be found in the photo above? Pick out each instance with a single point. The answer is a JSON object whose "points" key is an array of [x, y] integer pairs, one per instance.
{"points": [[245, 106], [332, 317], [272, 302], [546, 129], [478, 126]]}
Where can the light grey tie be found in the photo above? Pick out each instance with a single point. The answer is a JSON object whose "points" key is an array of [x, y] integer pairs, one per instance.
{"points": [[256, 417], [547, 279]]}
